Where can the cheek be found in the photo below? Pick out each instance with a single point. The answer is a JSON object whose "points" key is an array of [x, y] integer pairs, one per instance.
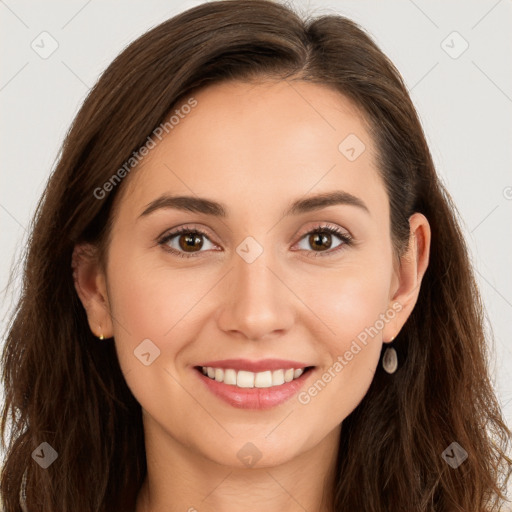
{"points": [[354, 306], [146, 304], [150, 299], [350, 300], [149, 307], [357, 302]]}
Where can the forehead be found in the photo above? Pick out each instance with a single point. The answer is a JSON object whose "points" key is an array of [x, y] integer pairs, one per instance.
{"points": [[249, 142]]}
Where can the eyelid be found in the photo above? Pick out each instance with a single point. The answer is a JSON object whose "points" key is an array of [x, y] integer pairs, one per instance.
{"points": [[183, 228], [317, 226]]}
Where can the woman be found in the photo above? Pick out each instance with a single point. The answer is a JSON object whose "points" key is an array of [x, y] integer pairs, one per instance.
{"points": [[247, 215]]}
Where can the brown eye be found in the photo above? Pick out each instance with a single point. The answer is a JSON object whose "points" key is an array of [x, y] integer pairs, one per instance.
{"points": [[319, 240], [190, 241], [186, 242]]}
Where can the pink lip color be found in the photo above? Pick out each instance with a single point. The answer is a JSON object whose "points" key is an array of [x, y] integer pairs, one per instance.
{"points": [[254, 398]]}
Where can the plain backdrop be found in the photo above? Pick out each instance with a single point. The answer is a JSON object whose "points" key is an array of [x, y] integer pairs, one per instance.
{"points": [[454, 56]]}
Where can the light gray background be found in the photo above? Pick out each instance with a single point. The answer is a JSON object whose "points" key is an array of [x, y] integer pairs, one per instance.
{"points": [[465, 105]]}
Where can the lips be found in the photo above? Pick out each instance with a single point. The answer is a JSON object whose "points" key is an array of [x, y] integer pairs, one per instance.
{"points": [[261, 393]]}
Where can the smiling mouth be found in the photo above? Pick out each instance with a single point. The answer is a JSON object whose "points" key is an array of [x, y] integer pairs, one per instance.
{"points": [[245, 379]]}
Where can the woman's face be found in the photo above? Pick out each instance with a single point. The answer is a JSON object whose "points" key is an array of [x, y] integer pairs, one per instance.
{"points": [[256, 284]]}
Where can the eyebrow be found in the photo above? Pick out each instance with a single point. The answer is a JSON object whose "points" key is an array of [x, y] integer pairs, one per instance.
{"points": [[209, 207]]}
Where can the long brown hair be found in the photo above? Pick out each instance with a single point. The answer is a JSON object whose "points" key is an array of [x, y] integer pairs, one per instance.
{"points": [[65, 388]]}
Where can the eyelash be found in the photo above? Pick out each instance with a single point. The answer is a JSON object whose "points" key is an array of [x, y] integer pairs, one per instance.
{"points": [[344, 237]]}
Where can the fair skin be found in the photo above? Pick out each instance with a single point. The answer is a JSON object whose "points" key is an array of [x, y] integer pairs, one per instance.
{"points": [[255, 148]]}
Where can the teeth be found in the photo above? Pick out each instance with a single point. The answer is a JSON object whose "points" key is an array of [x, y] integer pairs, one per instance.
{"points": [[277, 377], [230, 377], [245, 379], [262, 379]]}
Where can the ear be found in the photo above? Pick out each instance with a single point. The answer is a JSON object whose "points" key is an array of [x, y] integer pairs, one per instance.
{"points": [[407, 280], [90, 285]]}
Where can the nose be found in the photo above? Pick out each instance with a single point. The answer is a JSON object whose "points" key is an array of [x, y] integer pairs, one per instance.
{"points": [[257, 303]]}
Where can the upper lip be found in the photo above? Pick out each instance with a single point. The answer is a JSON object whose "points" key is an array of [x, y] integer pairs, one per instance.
{"points": [[255, 366]]}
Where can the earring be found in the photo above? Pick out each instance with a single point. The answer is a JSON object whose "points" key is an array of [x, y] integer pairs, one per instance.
{"points": [[390, 359], [101, 337]]}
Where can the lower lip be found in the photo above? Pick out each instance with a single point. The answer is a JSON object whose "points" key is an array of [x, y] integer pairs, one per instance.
{"points": [[254, 398]]}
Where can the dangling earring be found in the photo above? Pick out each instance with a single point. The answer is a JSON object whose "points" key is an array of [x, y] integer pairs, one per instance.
{"points": [[390, 359]]}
